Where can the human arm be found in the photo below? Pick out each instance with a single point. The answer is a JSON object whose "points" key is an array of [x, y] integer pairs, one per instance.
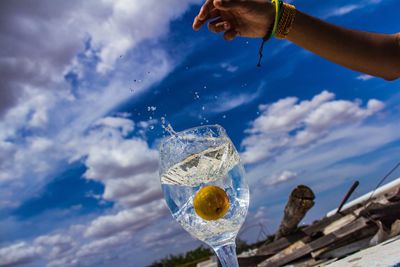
{"points": [[371, 53]]}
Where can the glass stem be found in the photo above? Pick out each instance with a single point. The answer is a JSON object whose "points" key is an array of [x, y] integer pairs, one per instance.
{"points": [[227, 255]]}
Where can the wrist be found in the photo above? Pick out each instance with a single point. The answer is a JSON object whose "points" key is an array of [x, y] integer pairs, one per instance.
{"points": [[285, 21], [269, 18]]}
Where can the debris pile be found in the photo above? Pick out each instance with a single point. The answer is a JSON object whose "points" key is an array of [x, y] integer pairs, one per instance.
{"points": [[362, 223]]}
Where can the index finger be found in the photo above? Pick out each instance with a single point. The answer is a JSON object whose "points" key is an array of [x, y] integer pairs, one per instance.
{"points": [[205, 9], [203, 14]]}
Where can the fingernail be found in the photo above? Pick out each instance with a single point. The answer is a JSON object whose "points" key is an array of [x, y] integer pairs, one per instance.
{"points": [[227, 26]]}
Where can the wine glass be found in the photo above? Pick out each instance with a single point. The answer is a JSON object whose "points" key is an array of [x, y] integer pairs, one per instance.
{"points": [[205, 188]]}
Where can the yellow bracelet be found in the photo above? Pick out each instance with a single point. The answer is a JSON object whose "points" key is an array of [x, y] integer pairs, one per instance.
{"points": [[288, 13]]}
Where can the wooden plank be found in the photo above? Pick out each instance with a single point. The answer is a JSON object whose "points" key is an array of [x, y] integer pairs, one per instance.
{"points": [[285, 258], [346, 250], [251, 261], [276, 246], [367, 232], [339, 223], [287, 251], [312, 230]]}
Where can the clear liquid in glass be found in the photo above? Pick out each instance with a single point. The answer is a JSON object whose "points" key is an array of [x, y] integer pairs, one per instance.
{"points": [[204, 158]]}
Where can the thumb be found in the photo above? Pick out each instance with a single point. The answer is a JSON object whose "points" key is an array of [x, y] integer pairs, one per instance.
{"points": [[229, 4]]}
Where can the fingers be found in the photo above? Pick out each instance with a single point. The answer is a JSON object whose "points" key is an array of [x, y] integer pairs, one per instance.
{"points": [[219, 26], [205, 9], [230, 35], [197, 23], [229, 4]]}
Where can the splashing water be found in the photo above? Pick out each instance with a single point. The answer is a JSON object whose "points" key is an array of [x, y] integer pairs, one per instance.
{"points": [[170, 130], [167, 127]]}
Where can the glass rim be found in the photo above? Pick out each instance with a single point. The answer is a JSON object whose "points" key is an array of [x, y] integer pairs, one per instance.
{"points": [[180, 133]]}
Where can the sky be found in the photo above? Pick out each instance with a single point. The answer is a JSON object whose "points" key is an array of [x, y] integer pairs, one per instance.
{"points": [[84, 88]]}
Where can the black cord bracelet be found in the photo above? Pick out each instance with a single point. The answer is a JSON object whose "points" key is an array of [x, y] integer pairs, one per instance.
{"points": [[267, 37]]}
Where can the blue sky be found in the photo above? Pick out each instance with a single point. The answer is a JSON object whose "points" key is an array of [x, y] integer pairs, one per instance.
{"points": [[83, 91]]}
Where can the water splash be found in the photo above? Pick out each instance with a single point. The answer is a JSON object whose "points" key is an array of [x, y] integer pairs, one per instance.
{"points": [[167, 127], [170, 130]]}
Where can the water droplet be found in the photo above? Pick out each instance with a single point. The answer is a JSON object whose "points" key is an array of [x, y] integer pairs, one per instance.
{"points": [[224, 116], [151, 108], [205, 87], [203, 108], [151, 127]]}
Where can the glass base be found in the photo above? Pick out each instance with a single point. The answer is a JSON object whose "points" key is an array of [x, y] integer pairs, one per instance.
{"points": [[227, 255]]}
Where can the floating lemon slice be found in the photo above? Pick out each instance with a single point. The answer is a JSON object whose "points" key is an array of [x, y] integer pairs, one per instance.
{"points": [[211, 203]]}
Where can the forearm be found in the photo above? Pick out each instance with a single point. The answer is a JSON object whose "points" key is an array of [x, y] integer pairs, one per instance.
{"points": [[374, 54]]}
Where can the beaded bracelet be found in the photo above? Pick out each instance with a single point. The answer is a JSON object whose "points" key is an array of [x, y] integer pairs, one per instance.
{"points": [[286, 21]]}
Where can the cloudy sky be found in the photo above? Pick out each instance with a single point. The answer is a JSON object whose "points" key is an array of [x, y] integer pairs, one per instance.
{"points": [[84, 85]]}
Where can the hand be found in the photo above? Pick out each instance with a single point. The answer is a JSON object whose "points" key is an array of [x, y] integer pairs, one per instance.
{"points": [[246, 18]]}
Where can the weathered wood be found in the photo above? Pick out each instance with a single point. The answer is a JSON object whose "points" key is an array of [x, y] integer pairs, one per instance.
{"points": [[312, 230], [287, 251], [276, 246], [323, 241], [366, 232], [300, 201], [251, 261], [305, 262], [346, 249], [377, 210], [339, 223], [395, 229]]}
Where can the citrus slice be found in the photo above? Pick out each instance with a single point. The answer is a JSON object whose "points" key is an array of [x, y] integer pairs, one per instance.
{"points": [[211, 203]]}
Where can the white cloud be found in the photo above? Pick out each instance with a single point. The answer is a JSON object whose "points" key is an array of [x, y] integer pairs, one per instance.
{"points": [[124, 124], [45, 119], [279, 178], [128, 168], [229, 67], [338, 148], [129, 219], [289, 123], [228, 101], [19, 253], [364, 77], [39, 104], [101, 245], [346, 9], [343, 10]]}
